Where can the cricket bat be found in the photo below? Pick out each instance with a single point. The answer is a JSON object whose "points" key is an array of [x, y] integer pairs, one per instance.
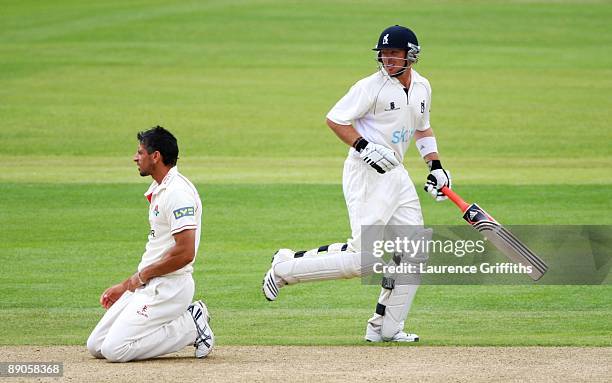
{"points": [[500, 237]]}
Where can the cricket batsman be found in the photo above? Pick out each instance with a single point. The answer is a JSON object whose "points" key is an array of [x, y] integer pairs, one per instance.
{"points": [[377, 119], [151, 313]]}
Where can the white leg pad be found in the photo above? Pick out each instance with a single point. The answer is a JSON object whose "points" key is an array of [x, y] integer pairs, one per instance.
{"points": [[326, 249], [323, 267], [394, 303]]}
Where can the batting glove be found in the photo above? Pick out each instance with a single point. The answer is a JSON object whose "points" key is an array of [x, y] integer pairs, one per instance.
{"points": [[377, 156], [437, 178]]}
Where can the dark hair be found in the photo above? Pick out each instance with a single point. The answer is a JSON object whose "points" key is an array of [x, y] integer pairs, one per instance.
{"points": [[161, 140]]}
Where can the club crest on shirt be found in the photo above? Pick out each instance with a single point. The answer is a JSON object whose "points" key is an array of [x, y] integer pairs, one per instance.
{"points": [[156, 210], [143, 311], [392, 107], [184, 212]]}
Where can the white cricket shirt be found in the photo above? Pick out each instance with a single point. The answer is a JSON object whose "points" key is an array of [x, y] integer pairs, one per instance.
{"points": [[383, 111], [175, 206]]}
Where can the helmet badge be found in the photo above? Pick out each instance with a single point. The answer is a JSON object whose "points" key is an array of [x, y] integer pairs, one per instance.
{"points": [[386, 39]]}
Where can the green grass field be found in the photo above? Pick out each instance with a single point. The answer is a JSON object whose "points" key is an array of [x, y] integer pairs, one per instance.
{"points": [[522, 94]]}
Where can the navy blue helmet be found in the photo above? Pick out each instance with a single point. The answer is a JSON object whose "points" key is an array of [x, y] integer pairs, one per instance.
{"points": [[398, 37]]}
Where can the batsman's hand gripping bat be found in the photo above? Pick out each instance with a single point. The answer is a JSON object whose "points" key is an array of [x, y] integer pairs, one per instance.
{"points": [[501, 238]]}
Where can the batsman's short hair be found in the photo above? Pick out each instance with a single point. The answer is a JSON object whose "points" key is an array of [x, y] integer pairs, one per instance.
{"points": [[160, 140]]}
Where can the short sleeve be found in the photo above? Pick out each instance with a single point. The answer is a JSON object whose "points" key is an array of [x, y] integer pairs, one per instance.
{"points": [[355, 104], [182, 211], [425, 110]]}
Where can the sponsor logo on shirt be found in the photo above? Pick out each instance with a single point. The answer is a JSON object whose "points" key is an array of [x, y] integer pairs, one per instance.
{"points": [[184, 212], [422, 106], [401, 135]]}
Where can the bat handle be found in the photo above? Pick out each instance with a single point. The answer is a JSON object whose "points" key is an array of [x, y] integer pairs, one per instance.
{"points": [[461, 204]]}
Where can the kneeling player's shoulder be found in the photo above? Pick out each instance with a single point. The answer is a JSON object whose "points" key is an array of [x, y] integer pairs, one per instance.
{"points": [[181, 185]]}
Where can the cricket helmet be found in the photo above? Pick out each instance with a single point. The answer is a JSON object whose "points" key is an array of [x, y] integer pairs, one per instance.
{"points": [[398, 37]]}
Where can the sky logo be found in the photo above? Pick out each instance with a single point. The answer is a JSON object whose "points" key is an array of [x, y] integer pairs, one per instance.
{"points": [[400, 136]]}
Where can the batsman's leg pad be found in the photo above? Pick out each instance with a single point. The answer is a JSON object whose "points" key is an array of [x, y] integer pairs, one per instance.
{"points": [[393, 306], [325, 249], [396, 295], [318, 268]]}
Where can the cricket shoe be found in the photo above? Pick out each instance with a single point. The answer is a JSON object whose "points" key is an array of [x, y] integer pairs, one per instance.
{"points": [[372, 336], [206, 339], [271, 283]]}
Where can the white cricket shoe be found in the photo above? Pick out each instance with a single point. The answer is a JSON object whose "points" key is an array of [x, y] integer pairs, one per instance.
{"points": [[271, 283], [374, 336], [206, 339]]}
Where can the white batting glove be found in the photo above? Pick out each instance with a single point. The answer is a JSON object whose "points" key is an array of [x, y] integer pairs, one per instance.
{"points": [[377, 156], [437, 178]]}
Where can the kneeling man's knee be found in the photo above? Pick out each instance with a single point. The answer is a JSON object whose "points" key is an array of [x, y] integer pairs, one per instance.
{"points": [[115, 351], [94, 346]]}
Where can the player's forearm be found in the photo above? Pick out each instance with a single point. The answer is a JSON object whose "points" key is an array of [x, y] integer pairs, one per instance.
{"points": [[346, 133], [175, 259]]}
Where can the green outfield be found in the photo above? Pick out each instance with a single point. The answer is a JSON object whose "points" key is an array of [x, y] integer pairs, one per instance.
{"points": [[522, 94]]}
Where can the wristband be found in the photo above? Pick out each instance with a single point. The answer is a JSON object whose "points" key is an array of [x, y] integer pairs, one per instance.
{"points": [[427, 145], [360, 144], [140, 279]]}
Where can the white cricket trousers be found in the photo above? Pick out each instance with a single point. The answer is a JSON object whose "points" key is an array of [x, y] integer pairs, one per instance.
{"points": [[378, 199], [151, 321], [371, 199]]}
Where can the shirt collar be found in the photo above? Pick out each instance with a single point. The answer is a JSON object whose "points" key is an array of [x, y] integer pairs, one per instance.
{"points": [[395, 80], [155, 188]]}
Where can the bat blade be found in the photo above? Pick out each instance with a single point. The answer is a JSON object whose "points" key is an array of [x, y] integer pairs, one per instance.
{"points": [[505, 241]]}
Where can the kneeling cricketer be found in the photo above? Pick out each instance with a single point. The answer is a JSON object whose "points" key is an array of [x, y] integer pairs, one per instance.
{"points": [[151, 313]]}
